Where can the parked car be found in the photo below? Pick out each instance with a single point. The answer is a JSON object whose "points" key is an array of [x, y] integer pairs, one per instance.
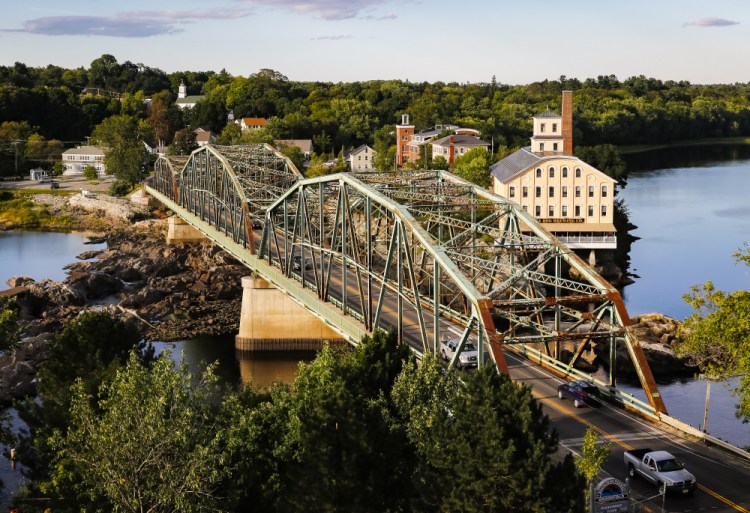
{"points": [[660, 468], [54, 184], [583, 393], [468, 356]]}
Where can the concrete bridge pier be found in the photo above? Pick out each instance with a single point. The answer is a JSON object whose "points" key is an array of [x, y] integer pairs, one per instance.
{"points": [[179, 231], [271, 321]]}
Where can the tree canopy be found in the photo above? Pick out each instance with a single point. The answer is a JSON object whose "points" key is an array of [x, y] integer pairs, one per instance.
{"points": [[716, 335]]}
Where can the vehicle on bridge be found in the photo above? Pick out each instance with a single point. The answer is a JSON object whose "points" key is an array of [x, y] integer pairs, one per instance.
{"points": [[297, 263], [583, 393], [661, 469], [468, 356]]}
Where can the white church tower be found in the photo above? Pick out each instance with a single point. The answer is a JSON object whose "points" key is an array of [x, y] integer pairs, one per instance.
{"points": [[182, 92]]}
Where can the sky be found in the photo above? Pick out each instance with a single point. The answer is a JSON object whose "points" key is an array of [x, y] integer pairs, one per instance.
{"points": [[518, 42]]}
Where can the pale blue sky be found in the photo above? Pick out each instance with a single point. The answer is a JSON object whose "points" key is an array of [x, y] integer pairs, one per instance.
{"points": [[346, 40]]}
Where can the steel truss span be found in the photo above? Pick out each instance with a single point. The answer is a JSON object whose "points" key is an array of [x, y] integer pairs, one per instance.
{"points": [[425, 253]]}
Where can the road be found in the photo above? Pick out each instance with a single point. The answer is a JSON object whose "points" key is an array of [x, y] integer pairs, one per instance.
{"points": [[67, 183], [723, 479]]}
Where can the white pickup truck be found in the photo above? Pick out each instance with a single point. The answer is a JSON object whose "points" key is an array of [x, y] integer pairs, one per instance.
{"points": [[661, 469], [468, 356]]}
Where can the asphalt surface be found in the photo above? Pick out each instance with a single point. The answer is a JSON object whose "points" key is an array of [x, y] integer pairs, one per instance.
{"points": [[723, 478], [75, 183]]}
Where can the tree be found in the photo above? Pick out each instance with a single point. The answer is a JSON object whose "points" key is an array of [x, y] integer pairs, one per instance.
{"points": [[295, 154], [9, 328], [348, 454], [125, 154], [183, 143], [590, 462], [440, 162], [474, 166], [604, 157], [90, 347], [484, 445], [90, 173], [145, 441], [716, 335]]}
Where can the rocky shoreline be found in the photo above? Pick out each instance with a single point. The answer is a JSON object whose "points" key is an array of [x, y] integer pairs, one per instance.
{"points": [[177, 292]]}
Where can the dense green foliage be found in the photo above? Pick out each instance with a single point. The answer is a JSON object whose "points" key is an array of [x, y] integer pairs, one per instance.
{"points": [[53, 104], [717, 335], [360, 430], [9, 327]]}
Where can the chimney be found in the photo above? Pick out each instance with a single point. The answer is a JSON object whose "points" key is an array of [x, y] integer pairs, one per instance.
{"points": [[567, 122], [451, 151]]}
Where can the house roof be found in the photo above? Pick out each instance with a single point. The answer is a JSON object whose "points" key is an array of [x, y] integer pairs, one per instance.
{"points": [[306, 145], [204, 136], [190, 99], [548, 114], [514, 163], [84, 150], [361, 148], [254, 121], [460, 140]]}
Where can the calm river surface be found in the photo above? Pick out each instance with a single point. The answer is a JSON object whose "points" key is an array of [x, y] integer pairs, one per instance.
{"points": [[691, 210]]}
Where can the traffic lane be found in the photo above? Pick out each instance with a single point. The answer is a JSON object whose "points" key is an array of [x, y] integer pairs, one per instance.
{"points": [[724, 480]]}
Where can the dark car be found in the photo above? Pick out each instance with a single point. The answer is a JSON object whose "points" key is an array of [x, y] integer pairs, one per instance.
{"points": [[297, 263], [54, 184], [583, 393]]}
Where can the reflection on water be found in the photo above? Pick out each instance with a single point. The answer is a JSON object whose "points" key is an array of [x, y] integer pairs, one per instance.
{"points": [[265, 369], [262, 369]]}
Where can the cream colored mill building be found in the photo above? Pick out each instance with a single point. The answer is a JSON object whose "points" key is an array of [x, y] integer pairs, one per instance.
{"points": [[571, 199]]}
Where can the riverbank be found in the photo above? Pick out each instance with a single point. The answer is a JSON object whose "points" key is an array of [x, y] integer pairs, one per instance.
{"points": [[641, 148]]}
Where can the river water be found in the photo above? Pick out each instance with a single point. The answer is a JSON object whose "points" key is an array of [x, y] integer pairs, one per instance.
{"points": [[691, 212]]}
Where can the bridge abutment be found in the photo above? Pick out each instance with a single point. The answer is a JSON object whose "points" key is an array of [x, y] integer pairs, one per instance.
{"points": [[271, 321], [179, 231]]}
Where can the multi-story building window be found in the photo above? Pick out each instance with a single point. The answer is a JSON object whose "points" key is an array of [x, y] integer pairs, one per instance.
{"points": [[554, 127], [512, 191], [591, 191], [525, 208], [578, 211], [565, 172], [565, 210], [554, 146], [578, 191], [538, 192], [525, 191], [551, 191], [604, 210], [564, 191], [578, 172], [591, 210], [539, 172], [552, 211], [538, 211], [604, 191], [552, 172], [541, 146], [541, 127]]}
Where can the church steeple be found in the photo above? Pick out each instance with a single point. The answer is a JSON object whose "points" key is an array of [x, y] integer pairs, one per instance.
{"points": [[182, 92]]}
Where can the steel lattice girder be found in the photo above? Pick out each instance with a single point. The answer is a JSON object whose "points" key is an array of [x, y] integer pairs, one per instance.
{"points": [[435, 242]]}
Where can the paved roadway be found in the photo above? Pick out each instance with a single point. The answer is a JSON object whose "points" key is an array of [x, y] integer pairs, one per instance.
{"points": [[723, 479], [75, 183]]}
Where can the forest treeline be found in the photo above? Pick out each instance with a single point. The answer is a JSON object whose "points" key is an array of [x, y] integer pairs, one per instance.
{"points": [[59, 107]]}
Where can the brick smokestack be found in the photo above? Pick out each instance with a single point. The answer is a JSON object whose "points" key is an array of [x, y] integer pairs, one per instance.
{"points": [[567, 122]]}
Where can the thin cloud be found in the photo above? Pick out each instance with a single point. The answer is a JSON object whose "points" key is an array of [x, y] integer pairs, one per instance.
{"points": [[711, 22], [324, 9], [330, 38], [133, 24], [386, 16]]}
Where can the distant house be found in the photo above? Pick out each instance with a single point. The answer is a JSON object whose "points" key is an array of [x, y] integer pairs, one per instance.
{"points": [[453, 146], [409, 144], [252, 123], [306, 145], [38, 174], [184, 101], [75, 160], [361, 158], [204, 137]]}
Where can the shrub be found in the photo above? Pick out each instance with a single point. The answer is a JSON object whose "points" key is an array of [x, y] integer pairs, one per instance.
{"points": [[119, 188]]}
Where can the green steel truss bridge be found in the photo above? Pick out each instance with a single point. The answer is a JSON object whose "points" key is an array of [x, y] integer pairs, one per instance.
{"points": [[425, 253]]}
